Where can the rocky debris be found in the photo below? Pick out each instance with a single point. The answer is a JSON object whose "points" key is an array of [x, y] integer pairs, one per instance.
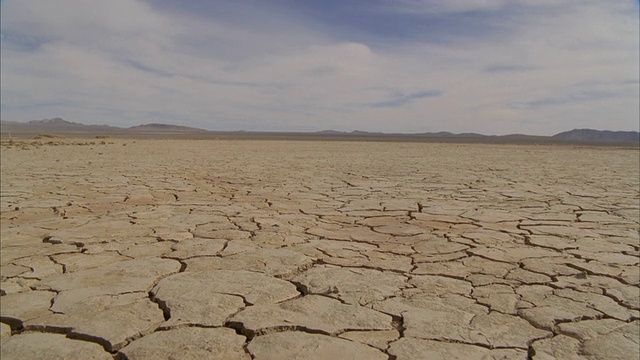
{"points": [[188, 343], [318, 250]]}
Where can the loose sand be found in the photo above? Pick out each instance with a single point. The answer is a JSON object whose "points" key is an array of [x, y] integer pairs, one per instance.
{"points": [[204, 249]]}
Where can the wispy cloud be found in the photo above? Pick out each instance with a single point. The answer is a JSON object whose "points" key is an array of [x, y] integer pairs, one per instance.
{"points": [[142, 67], [579, 97], [508, 68], [406, 99], [505, 66]]}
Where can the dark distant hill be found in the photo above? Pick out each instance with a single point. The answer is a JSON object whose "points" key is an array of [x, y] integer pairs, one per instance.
{"points": [[590, 135], [164, 128], [329, 132], [55, 125], [60, 126], [58, 122]]}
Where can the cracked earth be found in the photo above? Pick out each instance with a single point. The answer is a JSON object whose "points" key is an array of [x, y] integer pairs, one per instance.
{"points": [[163, 249]]}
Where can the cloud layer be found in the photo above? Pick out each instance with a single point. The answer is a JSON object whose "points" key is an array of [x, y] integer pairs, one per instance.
{"points": [[494, 66]]}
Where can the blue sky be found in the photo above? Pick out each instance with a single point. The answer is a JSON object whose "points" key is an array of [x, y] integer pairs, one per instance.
{"points": [[487, 66]]}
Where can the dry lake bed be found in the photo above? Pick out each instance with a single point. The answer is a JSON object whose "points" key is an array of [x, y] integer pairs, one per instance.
{"points": [[204, 249]]}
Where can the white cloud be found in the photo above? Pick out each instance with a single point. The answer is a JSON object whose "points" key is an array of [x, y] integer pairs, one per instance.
{"points": [[128, 62]]}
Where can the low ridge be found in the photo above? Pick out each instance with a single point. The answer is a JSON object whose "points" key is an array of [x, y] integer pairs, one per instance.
{"points": [[577, 136]]}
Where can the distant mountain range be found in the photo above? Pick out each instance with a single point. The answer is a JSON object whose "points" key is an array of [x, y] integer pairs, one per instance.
{"points": [[164, 127], [577, 136], [599, 135], [61, 125]]}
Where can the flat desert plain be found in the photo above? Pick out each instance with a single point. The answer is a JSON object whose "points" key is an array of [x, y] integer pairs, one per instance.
{"points": [[204, 249]]}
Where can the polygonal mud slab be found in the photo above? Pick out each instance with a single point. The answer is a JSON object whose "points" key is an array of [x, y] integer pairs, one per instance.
{"points": [[527, 277], [620, 343], [377, 339], [437, 285], [267, 198], [437, 246], [374, 259], [354, 254], [16, 285], [12, 270], [273, 262], [80, 261], [465, 268], [588, 329], [148, 250], [356, 233], [558, 347], [627, 274], [490, 216], [50, 346], [209, 297], [99, 230], [401, 229], [197, 247], [556, 266], [304, 346], [213, 231], [185, 304], [540, 306], [313, 312], [122, 277], [41, 266], [412, 348], [490, 238], [571, 232], [254, 287], [498, 297], [456, 318], [602, 303], [109, 320], [5, 331], [19, 307], [628, 295], [513, 254], [32, 247], [452, 308], [188, 343], [501, 330], [351, 285]]}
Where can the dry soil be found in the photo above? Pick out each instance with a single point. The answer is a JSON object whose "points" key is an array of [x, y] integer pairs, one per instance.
{"points": [[204, 249]]}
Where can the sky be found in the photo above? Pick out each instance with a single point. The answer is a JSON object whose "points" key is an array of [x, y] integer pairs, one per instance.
{"points": [[496, 67]]}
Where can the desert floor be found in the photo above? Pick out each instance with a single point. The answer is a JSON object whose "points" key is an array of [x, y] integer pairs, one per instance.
{"points": [[204, 249]]}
